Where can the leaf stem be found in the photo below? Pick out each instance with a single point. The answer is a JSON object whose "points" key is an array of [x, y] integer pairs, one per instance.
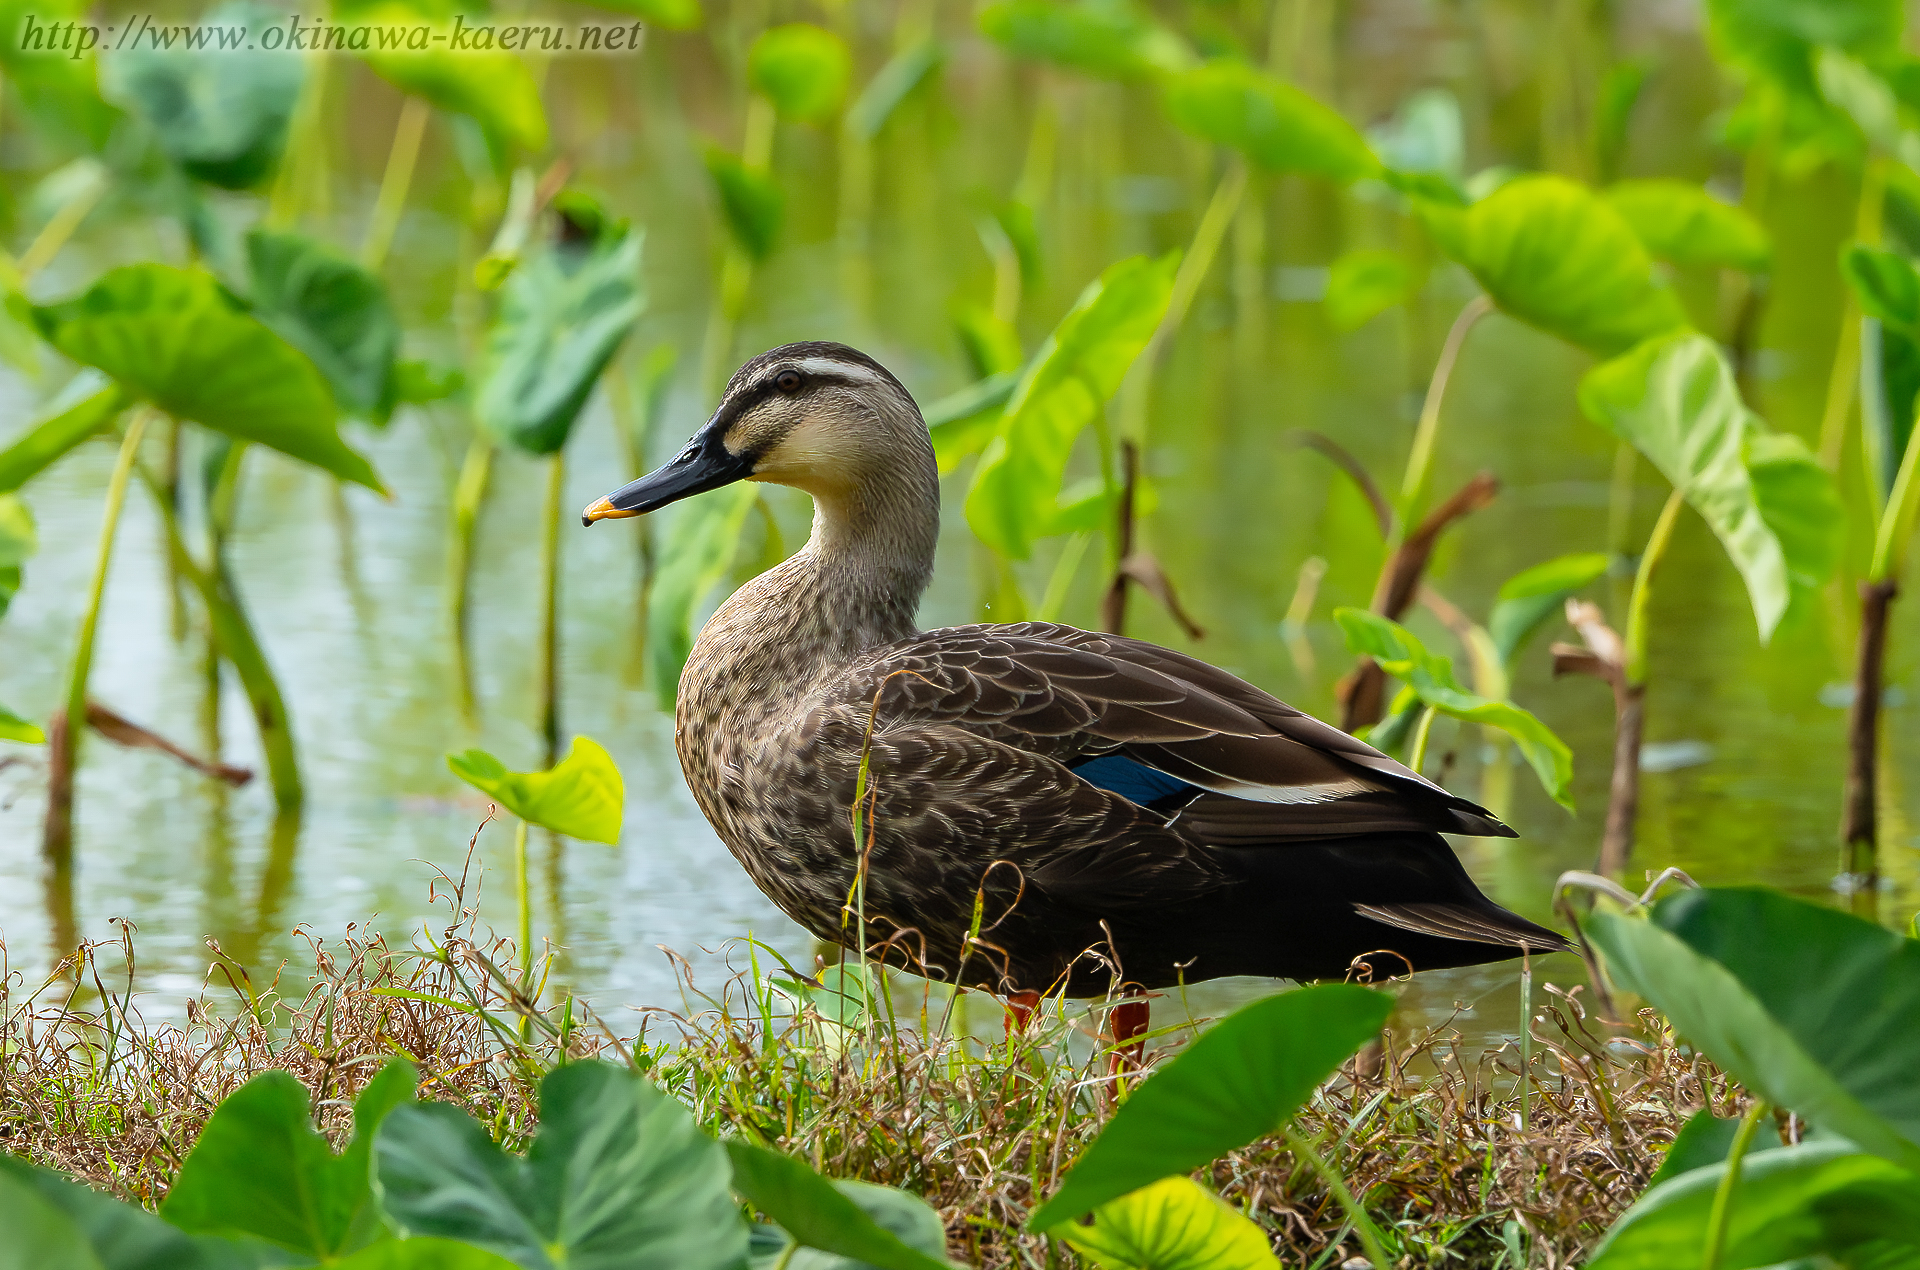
{"points": [[1636, 641], [550, 607], [469, 491], [392, 199], [1421, 732], [1722, 1212], [58, 840], [1426, 434], [526, 901], [1363, 1227]]}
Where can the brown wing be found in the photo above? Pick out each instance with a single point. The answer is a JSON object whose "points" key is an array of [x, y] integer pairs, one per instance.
{"points": [[1269, 772]]}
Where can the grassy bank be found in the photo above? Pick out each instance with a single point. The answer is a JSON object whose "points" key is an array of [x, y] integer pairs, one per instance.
{"points": [[1460, 1161]]}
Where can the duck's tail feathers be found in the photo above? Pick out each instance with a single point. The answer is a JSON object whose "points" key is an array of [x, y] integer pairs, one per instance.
{"points": [[1473, 923]]}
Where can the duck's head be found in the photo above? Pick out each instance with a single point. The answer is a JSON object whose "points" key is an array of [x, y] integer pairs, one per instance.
{"points": [[818, 416]]}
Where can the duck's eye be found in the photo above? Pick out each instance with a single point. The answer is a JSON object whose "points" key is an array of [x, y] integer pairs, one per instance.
{"points": [[787, 381]]}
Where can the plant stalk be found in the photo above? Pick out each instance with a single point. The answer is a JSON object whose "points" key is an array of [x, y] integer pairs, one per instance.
{"points": [[1722, 1211], [1630, 700], [1859, 826], [1363, 1227], [1421, 732], [1413, 485], [234, 639], [391, 202], [64, 747], [468, 493], [550, 608], [526, 900]]}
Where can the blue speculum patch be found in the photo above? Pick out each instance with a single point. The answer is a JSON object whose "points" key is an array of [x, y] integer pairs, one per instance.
{"points": [[1136, 782]]}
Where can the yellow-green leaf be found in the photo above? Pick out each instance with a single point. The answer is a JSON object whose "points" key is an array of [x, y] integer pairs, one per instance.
{"points": [[1174, 1224], [581, 796]]}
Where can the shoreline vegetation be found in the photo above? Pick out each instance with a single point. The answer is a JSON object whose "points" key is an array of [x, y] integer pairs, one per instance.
{"points": [[1456, 1160]]}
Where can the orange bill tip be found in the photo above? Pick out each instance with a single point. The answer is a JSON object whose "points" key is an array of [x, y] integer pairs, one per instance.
{"points": [[604, 510]]}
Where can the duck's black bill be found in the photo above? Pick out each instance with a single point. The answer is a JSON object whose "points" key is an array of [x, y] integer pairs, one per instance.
{"points": [[705, 464]]}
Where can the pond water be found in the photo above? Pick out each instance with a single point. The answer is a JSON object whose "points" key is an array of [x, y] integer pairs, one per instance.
{"points": [[1746, 757]]}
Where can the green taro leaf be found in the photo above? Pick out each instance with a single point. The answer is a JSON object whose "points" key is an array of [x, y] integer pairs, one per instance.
{"points": [[39, 1235], [1555, 255], [479, 79], [802, 69], [670, 15], [562, 317], [750, 201], [1240, 1080], [220, 111], [1532, 596], [702, 539], [1812, 1009], [1704, 1140], [1017, 481], [618, 1178], [892, 85], [1676, 400], [1276, 125], [1777, 38], [1822, 1199], [175, 338], [581, 796], [332, 310], [421, 1254], [1683, 224], [1173, 1224], [121, 1236], [260, 1170], [1108, 39], [1431, 678], [831, 1218], [80, 409], [60, 93], [1886, 284], [18, 541], [1799, 501], [1365, 283]]}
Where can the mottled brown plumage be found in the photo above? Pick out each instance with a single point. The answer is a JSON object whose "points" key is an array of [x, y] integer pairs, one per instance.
{"points": [[1280, 845]]}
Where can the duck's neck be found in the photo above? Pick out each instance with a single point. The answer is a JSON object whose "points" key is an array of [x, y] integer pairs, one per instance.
{"points": [[855, 585]]}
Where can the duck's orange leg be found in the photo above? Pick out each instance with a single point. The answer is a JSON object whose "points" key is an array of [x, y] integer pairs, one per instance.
{"points": [[1020, 1008], [1128, 1020]]}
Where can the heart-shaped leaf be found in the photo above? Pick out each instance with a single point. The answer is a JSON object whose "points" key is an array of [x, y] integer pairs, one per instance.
{"points": [[332, 310], [82, 408], [1823, 1199], [802, 69], [121, 1236], [40, 1236], [1704, 1140], [581, 796], [175, 338], [1240, 1080], [1676, 401], [668, 15], [1530, 597], [751, 203], [1173, 1224], [1812, 1009], [1017, 481], [421, 1254], [459, 65], [562, 317], [221, 103], [1557, 256], [1108, 39], [1365, 283], [1685, 225], [259, 1169], [1276, 125], [1402, 655], [826, 1218], [1886, 284], [618, 1178], [1778, 38]]}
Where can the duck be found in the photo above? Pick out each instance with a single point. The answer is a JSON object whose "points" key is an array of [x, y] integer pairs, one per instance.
{"points": [[1024, 808]]}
